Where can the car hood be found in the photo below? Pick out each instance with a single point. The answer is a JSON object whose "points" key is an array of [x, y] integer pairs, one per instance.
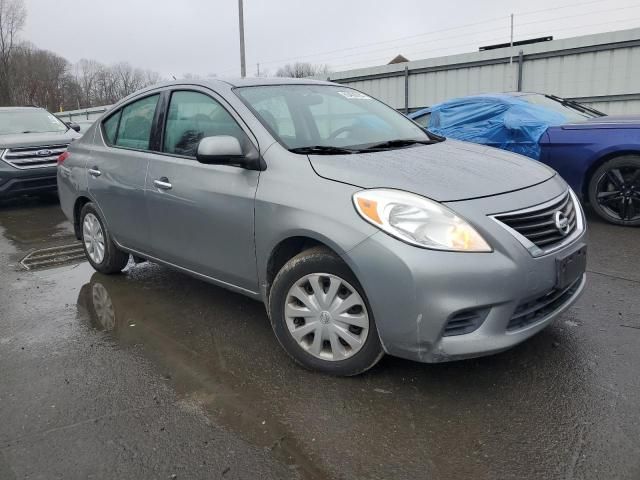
{"points": [[37, 139], [608, 121], [444, 171]]}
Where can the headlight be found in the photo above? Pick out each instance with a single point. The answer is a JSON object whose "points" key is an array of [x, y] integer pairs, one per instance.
{"points": [[418, 221]]}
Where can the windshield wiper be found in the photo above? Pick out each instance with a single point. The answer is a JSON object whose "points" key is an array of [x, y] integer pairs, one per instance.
{"points": [[576, 106], [399, 143], [322, 150]]}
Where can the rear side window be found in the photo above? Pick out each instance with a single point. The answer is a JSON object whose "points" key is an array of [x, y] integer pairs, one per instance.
{"points": [[135, 125], [193, 116], [111, 127]]}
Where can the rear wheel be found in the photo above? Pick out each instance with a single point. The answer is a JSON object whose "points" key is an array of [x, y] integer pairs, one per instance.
{"points": [[321, 317], [614, 190], [102, 253]]}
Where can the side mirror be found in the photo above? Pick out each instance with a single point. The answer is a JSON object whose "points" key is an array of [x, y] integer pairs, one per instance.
{"points": [[226, 150], [73, 126]]}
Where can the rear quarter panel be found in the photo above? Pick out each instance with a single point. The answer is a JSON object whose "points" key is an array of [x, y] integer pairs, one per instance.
{"points": [[72, 174]]}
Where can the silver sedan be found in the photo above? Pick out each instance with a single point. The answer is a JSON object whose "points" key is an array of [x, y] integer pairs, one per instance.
{"points": [[361, 233]]}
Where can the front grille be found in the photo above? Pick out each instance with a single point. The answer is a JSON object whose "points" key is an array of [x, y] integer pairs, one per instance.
{"points": [[538, 224], [464, 322], [532, 311], [34, 157]]}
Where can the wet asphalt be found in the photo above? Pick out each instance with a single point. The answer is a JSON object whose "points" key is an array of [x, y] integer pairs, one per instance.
{"points": [[153, 374]]}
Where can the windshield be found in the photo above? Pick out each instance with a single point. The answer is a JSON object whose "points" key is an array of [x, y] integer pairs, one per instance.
{"points": [[572, 114], [32, 120], [325, 116]]}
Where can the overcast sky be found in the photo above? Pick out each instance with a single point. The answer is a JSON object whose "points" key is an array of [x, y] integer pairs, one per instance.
{"points": [[176, 37]]}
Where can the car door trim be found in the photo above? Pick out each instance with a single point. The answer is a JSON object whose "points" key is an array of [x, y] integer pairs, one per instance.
{"points": [[231, 286]]}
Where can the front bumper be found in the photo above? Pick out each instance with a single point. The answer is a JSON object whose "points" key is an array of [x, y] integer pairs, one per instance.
{"points": [[413, 293], [14, 181]]}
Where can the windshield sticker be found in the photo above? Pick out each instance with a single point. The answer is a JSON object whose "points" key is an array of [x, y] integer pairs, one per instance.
{"points": [[353, 95]]}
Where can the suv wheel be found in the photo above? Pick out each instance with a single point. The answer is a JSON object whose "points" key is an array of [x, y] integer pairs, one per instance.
{"points": [[614, 191], [100, 250], [321, 316]]}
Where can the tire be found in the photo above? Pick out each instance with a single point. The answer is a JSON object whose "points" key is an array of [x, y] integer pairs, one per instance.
{"points": [[108, 259], [324, 347], [614, 191]]}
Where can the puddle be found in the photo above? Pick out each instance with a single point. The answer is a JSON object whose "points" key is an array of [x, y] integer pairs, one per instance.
{"points": [[187, 341], [217, 351], [31, 223], [401, 420]]}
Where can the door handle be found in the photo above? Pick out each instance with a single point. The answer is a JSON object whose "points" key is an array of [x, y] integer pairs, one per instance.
{"points": [[162, 183], [94, 172]]}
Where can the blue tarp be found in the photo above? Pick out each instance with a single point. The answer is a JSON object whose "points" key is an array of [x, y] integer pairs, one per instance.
{"points": [[500, 121]]}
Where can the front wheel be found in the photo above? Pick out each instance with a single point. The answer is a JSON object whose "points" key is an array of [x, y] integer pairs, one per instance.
{"points": [[614, 191], [321, 317]]}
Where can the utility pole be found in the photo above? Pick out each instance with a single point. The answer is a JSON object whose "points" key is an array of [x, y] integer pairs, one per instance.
{"points": [[258, 65], [243, 68], [510, 42], [511, 54]]}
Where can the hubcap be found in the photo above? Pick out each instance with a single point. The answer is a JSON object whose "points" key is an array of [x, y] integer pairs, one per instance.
{"points": [[326, 316], [618, 193], [93, 238]]}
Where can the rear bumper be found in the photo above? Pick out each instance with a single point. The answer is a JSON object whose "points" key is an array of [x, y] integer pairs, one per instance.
{"points": [[14, 182]]}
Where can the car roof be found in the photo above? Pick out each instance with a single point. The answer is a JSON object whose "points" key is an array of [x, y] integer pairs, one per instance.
{"points": [[225, 84], [502, 97], [243, 82], [14, 109], [505, 97]]}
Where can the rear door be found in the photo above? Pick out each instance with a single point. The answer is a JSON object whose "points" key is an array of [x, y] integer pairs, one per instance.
{"points": [[118, 169], [201, 217]]}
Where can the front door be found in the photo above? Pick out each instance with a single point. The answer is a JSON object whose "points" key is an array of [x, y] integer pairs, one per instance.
{"points": [[118, 168], [201, 217]]}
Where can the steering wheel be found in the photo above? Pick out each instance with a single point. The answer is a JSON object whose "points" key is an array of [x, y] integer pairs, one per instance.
{"points": [[341, 130]]}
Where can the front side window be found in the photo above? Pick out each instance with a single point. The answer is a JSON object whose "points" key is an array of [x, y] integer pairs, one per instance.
{"points": [[193, 116], [327, 116], [136, 122], [29, 120]]}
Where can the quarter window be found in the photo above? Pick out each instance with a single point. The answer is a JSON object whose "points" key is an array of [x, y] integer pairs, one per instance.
{"points": [[111, 127], [135, 124], [423, 120], [193, 116]]}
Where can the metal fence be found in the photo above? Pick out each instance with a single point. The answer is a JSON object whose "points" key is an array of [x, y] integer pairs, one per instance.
{"points": [[84, 115], [601, 70]]}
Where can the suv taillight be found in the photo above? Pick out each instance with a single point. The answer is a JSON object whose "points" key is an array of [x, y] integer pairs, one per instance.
{"points": [[63, 157]]}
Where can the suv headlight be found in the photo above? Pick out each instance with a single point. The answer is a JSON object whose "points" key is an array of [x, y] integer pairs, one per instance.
{"points": [[418, 221]]}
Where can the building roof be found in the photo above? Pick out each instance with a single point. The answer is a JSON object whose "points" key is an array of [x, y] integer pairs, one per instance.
{"points": [[398, 59]]}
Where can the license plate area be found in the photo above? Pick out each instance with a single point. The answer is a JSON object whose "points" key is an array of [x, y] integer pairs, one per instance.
{"points": [[571, 267]]}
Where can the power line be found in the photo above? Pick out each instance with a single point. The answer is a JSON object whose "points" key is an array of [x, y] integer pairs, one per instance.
{"points": [[466, 34], [502, 18], [475, 43], [405, 46]]}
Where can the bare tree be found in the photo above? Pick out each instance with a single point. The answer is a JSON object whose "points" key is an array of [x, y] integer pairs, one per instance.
{"points": [[12, 17], [302, 69], [42, 78], [86, 76], [29, 75]]}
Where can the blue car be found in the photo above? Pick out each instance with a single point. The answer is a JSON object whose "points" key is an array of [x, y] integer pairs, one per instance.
{"points": [[598, 155]]}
